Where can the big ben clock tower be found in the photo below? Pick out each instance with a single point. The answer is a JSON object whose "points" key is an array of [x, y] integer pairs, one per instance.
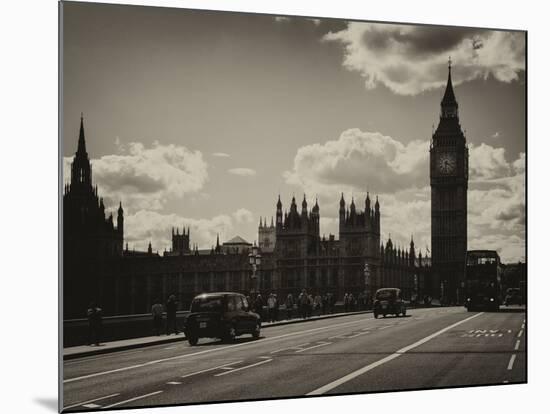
{"points": [[449, 184]]}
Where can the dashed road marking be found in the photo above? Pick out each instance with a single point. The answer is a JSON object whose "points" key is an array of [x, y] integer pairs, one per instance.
{"points": [[357, 334], [315, 346], [324, 389], [290, 348], [517, 345], [173, 383], [265, 361], [90, 401], [511, 363], [170, 347], [133, 399], [263, 341], [520, 333], [92, 405], [210, 369]]}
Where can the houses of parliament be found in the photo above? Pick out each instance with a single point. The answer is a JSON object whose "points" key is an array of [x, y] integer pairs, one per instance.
{"points": [[97, 267]]}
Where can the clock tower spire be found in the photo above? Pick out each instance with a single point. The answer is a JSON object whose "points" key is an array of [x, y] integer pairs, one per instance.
{"points": [[449, 187]]}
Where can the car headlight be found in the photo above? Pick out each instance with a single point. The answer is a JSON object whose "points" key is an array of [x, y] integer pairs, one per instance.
{"points": [[492, 300], [469, 300]]}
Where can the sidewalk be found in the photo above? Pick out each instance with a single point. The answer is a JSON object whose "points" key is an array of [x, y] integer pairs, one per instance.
{"points": [[126, 344]]}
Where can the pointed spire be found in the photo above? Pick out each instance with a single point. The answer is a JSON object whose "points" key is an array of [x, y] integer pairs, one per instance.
{"points": [[449, 106], [272, 221], [279, 204], [120, 210], [81, 140]]}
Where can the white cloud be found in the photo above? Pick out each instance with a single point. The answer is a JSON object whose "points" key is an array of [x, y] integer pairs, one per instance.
{"points": [[146, 226], [243, 215], [412, 59], [243, 172], [221, 155], [399, 174], [487, 162], [145, 178], [359, 160]]}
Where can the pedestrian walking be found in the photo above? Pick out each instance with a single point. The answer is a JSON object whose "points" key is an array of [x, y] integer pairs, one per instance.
{"points": [[271, 303], [156, 310], [289, 304], [351, 300], [277, 305], [171, 319], [303, 303], [259, 306], [95, 320], [346, 302], [317, 301]]}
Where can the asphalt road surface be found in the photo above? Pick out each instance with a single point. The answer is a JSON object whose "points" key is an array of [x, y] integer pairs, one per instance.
{"points": [[429, 348]]}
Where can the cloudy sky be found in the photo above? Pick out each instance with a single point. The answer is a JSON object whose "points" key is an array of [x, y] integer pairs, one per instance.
{"points": [[201, 119]]}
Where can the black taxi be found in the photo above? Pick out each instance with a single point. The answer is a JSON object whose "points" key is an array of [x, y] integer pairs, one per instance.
{"points": [[388, 301], [223, 315]]}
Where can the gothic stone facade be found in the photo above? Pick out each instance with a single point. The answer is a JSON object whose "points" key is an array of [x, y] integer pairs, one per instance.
{"points": [[294, 256]]}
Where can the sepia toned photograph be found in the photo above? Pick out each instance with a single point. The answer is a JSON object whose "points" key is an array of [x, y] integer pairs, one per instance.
{"points": [[258, 207]]}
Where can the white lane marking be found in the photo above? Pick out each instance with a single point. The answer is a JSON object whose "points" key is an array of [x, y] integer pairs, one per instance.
{"points": [[275, 338], [522, 326], [517, 345], [170, 347], [92, 405], [210, 369], [173, 383], [361, 371], [133, 399], [384, 327], [365, 329], [520, 333], [227, 368], [511, 363], [315, 346], [264, 357], [358, 334], [265, 361], [289, 348], [90, 401]]}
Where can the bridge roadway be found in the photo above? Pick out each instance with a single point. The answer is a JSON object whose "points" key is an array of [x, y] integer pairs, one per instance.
{"points": [[429, 348]]}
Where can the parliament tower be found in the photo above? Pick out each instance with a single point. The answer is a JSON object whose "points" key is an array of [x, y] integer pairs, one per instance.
{"points": [[449, 187]]}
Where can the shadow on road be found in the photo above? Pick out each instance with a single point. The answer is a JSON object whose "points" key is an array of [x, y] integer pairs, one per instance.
{"points": [[512, 310], [222, 342]]}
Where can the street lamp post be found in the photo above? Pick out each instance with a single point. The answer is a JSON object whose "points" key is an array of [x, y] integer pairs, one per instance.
{"points": [[255, 259]]}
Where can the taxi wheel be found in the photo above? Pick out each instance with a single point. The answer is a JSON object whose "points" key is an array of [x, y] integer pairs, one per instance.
{"points": [[193, 340], [375, 315], [256, 332], [231, 334]]}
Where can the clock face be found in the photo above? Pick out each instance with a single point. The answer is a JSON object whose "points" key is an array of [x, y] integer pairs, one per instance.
{"points": [[446, 163]]}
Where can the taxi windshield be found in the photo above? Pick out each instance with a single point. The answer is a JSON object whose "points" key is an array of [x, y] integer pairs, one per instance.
{"points": [[207, 304], [385, 294]]}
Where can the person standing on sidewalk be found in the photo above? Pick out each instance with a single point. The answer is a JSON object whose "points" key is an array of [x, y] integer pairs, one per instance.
{"points": [[289, 304], [303, 302], [95, 320], [271, 302], [171, 320], [156, 310]]}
